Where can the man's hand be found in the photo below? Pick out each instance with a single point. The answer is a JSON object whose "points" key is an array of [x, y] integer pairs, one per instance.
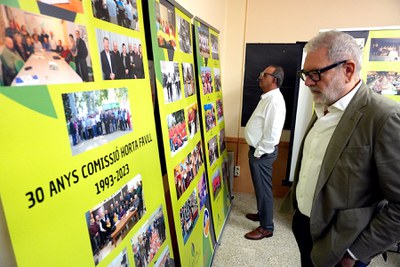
{"points": [[347, 261]]}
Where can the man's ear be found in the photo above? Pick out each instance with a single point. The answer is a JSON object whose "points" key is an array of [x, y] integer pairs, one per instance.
{"points": [[349, 69]]}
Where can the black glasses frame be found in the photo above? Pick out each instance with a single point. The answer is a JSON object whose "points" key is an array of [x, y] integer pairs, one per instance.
{"points": [[311, 74]]}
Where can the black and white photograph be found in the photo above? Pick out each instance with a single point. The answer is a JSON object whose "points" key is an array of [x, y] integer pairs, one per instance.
{"points": [[177, 131], [214, 46], [185, 40], [189, 86], [165, 25], [95, 118], [111, 220], [149, 238], [384, 49], [171, 81], [189, 214], [222, 142], [384, 82], [121, 57], [213, 153], [119, 12]]}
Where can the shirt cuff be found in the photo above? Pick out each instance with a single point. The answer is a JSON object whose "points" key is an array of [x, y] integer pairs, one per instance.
{"points": [[352, 255]]}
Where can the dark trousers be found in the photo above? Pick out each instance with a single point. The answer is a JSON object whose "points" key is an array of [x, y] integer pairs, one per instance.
{"points": [[261, 174], [302, 234]]}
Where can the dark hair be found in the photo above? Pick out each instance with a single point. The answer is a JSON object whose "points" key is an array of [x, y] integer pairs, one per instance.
{"points": [[279, 74]]}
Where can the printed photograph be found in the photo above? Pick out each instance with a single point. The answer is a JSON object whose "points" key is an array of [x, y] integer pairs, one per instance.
{"points": [[37, 49], [121, 260], [206, 80], [123, 13], [177, 131], [188, 79], [213, 153], [220, 111], [209, 113], [189, 214], [204, 45], [111, 220], [186, 171], [94, 118], [222, 142], [149, 238], [217, 79], [121, 56], [185, 40], [214, 47], [202, 189], [171, 81], [193, 119], [70, 5], [165, 259], [384, 82], [165, 25], [216, 182], [384, 49]]}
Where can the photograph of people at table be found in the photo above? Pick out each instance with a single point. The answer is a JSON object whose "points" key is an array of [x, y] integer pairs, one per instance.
{"points": [[38, 49]]}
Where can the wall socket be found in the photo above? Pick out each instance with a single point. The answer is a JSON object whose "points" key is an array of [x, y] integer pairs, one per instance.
{"points": [[237, 170]]}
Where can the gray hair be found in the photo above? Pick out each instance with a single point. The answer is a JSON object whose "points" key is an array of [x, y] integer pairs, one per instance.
{"points": [[341, 46]]}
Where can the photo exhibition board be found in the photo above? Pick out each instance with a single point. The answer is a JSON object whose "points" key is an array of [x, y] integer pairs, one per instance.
{"points": [[172, 47], [80, 178], [213, 123]]}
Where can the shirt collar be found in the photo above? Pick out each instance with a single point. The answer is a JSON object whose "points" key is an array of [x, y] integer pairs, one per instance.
{"points": [[273, 91]]}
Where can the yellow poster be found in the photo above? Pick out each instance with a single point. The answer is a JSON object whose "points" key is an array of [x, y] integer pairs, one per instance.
{"points": [[172, 47], [80, 179], [212, 116]]}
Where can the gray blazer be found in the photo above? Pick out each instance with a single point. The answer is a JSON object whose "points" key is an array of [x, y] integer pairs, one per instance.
{"points": [[360, 171]]}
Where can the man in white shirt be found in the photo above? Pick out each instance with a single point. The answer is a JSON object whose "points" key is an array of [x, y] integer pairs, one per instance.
{"points": [[263, 132], [346, 188]]}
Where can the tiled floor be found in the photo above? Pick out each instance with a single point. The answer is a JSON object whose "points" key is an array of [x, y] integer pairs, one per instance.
{"points": [[279, 250]]}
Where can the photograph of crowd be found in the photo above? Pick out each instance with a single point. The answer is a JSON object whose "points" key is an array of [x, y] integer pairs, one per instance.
{"points": [[189, 213], [94, 118], [209, 113], [217, 79], [222, 143], [38, 49], [206, 80], [204, 45], [177, 131], [121, 260], [185, 40], [213, 153], [202, 188], [111, 220], [170, 81], [165, 25], [149, 238], [165, 259], [193, 119], [214, 47], [70, 5], [216, 182], [220, 111], [119, 12], [384, 49], [188, 79], [121, 56], [384, 82], [186, 171]]}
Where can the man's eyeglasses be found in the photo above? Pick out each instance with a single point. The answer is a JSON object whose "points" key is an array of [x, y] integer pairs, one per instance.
{"points": [[315, 75], [264, 74]]}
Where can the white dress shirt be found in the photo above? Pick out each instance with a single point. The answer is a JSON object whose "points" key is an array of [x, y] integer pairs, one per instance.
{"points": [[264, 128], [315, 145]]}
